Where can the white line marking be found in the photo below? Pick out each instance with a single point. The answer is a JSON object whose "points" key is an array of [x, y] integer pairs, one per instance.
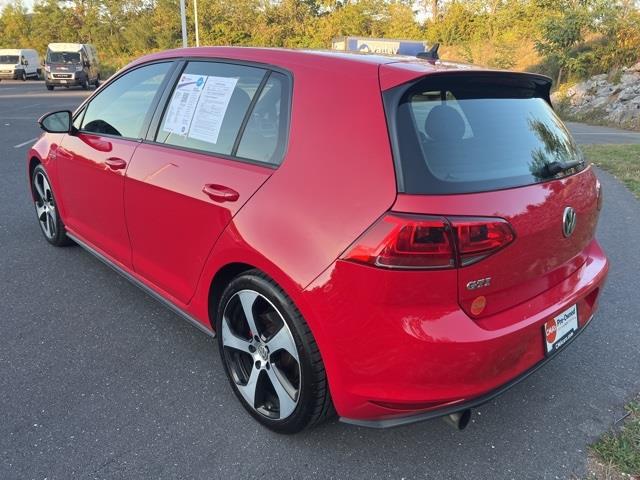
{"points": [[25, 143], [605, 133]]}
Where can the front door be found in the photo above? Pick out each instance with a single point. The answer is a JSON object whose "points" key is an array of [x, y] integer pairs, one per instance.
{"points": [[92, 163]]}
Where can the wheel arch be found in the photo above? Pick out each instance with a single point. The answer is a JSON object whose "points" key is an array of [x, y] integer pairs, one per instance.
{"points": [[219, 282], [230, 257], [34, 161]]}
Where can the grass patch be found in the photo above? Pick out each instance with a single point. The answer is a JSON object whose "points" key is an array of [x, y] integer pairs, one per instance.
{"points": [[620, 449], [622, 161]]}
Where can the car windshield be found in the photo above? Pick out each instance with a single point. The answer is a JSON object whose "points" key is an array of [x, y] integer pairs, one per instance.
{"points": [[461, 136], [63, 57], [9, 59]]}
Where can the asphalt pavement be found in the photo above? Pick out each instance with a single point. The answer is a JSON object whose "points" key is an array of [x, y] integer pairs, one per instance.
{"points": [[590, 134], [98, 380]]}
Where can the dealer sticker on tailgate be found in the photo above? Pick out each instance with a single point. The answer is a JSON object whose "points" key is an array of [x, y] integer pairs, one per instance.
{"points": [[560, 329]]}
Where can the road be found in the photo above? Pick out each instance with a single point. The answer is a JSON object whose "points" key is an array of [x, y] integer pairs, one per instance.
{"points": [[98, 380], [586, 134]]}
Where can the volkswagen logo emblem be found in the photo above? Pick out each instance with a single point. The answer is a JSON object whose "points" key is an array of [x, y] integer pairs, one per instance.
{"points": [[264, 352], [568, 221]]}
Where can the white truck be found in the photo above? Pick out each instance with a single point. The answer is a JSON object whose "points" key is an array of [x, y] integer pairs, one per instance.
{"points": [[19, 63]]}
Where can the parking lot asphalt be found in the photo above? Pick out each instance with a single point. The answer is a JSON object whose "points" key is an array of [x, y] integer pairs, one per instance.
{"points": [[98, 380]]}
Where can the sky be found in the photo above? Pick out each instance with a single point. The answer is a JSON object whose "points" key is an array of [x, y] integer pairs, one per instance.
{"points": [[27, 3]]}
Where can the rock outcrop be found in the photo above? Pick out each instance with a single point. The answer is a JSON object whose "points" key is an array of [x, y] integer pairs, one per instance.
{"points": [[601, 98]]}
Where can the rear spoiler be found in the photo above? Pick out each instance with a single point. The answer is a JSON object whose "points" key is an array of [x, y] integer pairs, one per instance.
{"points": [[397, 75]]}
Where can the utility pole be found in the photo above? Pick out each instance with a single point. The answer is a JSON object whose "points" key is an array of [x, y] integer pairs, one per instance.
{"points": [[195, 15], [183, 17]]}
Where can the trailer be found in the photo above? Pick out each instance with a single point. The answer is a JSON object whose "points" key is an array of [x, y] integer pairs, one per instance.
{"points": [[386, 46]]}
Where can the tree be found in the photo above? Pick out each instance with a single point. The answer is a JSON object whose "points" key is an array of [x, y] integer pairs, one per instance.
{"points": [[560, 33], [14, 26]]}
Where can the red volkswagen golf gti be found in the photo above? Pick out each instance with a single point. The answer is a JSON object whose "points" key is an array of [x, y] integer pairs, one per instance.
{"points": [[385, 238]]}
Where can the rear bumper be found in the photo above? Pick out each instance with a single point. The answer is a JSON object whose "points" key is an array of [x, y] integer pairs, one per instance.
{"points": [[476, 402], [399, 349]]}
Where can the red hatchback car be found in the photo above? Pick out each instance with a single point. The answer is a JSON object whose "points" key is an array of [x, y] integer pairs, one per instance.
{"points": [[387, 238]]}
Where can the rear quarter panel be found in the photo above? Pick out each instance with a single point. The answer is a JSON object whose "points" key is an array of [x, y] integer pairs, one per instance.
{"points": [[336, 179]]}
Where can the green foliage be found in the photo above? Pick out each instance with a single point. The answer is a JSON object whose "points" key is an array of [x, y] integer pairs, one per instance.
{"points": [[14, 23], [622, 161], [569, 39], [622, 448]]}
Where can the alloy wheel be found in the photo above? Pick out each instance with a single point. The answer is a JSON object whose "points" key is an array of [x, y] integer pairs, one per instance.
{"points": [[261, 354], [45, 205]]}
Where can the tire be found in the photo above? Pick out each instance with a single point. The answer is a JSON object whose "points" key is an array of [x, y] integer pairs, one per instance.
{"points": [[23, 76], [97, 83], [50, 87], [51, 224], [289, 394], [85, 84]]}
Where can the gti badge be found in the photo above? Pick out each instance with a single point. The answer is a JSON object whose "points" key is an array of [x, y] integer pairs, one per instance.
{"points": [[475, 284], [568, 221]]}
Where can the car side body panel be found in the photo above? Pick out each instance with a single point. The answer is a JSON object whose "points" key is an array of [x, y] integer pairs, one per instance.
{"points": [[172, 223], [93, 193]]}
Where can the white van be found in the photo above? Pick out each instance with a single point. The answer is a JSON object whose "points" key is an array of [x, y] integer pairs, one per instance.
{"points": [[19, 63]]}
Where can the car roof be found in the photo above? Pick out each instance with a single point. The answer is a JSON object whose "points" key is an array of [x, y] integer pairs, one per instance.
{"points": [[393, 69], [282, 56]]}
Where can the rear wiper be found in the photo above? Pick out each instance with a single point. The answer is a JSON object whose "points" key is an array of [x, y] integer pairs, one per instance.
{"points": [[551, 169]]}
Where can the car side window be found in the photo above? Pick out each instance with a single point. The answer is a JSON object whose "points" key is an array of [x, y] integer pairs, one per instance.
{"points": [[120, 109], [208, 105], [264, 136]]}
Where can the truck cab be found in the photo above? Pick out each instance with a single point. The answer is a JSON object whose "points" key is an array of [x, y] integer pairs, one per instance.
{"points": [[19, 64], [71, 64]]}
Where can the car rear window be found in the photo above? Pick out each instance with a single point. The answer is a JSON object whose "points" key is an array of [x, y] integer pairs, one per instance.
{"points": [[462, 134]]}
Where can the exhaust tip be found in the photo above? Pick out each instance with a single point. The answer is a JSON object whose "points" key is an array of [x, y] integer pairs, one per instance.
{"points": [[459, 420]]}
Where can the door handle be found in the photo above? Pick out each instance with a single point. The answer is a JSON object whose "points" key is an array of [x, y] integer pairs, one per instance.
{"points": [[115, 163], [220, 193]]}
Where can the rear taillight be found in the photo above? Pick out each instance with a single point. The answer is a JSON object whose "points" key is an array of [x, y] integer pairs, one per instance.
{"points": [[478, 238], [426, 242]]}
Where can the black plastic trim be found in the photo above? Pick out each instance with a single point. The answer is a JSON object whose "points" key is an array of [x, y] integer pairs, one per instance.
{"points": [[249, 112], [160, 107], [473, 403], [174, 308]]}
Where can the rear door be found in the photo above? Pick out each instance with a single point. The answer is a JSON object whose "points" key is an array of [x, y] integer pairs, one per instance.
{"points": [[483, 146], [215, 142]]}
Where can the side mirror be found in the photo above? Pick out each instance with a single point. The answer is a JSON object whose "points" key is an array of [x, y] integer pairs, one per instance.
{"points": [[56, 122], [25, 62], [87, 63]]}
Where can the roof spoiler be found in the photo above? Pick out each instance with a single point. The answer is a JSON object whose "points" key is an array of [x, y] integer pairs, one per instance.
{"points": [[430, 55]]}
